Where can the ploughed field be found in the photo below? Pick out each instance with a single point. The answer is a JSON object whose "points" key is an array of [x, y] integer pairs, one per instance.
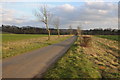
{"points": [[14, 44], [100, 59]]}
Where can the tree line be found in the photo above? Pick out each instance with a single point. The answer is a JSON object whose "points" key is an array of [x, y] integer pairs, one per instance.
{"points": [[33, 30], [101, 31], [37, 30]]}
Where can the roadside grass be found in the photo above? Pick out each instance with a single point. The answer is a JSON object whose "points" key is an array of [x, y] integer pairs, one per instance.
{"points": [[26, 43], [74, 64], [111, 37], [100, 60]]}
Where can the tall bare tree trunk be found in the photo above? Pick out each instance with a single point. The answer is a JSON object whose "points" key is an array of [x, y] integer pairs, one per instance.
{"points": [[48, 34], [79, 34], [44, 16], [58, 33], [70, 29], [48, 31], [56, 23]]}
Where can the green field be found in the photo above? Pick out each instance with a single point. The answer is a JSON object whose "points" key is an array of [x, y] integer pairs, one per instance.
{"points": [[15, 37], [14, 44], [111, 37]]}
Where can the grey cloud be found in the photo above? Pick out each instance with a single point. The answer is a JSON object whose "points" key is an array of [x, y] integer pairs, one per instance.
{"points": [[91, 15]]}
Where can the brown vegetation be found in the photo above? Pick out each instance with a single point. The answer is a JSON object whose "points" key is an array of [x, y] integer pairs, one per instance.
{"points": [[86, 41], [104, 53]]}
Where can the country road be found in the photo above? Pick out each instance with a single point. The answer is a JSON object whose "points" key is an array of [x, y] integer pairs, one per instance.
{"points": [[34, 63]]}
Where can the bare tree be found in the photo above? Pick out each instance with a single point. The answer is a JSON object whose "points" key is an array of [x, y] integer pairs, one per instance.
{"points": [[70, 29], [56, 23], [44, 16], [79, 33]]}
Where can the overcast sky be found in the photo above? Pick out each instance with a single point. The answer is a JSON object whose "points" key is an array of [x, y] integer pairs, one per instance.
{"points": [[86, 14]]}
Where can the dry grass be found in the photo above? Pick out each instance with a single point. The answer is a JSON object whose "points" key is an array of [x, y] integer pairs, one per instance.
{"points": [[104, 53], [75, 65]]}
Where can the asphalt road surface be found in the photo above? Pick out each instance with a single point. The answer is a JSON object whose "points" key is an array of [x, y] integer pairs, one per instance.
{"points": [[34, 63]]}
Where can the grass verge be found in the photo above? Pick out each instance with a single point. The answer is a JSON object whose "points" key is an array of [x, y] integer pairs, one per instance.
{"points": [[74, 64], [96, 61]]}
